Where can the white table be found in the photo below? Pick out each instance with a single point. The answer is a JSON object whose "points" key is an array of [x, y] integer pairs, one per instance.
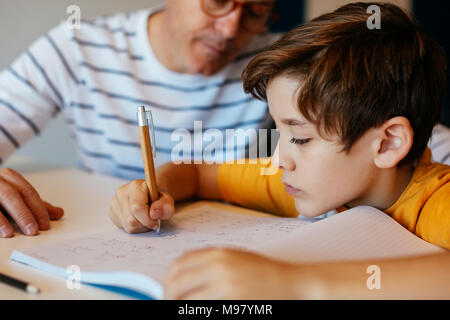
{"points": [[85, 199]]}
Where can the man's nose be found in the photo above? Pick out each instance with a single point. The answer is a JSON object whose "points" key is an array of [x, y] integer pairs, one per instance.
{"points": [[230, 24], [281, 160]]}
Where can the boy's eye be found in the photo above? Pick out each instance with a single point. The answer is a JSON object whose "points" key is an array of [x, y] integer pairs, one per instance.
{"points": [[299, 141]]}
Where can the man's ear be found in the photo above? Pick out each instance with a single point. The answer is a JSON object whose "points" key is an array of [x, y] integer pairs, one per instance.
{"points": [[394, 140]]}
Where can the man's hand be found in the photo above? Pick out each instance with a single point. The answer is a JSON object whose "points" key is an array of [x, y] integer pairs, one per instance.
{"points": [[215, 273], [129, 208], [21, 202]]}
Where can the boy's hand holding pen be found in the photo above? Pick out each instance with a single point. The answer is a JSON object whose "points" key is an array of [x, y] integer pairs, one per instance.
{"points": [[134, 207], [130, 209], [139, 206]]}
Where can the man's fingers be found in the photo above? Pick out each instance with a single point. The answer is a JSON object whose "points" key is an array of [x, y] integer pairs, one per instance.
{"points": [[29, 195], [6, 229], [12, 202], [54, 213]]}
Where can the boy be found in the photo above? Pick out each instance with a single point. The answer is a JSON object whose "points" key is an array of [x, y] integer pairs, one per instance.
{"points": [[355, 108]]}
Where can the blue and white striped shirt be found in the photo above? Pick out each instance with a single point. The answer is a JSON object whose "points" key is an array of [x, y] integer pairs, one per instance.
{"points": [[97, 76]]}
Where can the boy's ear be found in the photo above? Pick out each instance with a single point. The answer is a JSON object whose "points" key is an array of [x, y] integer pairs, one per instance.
{"points": [[394, 140]]}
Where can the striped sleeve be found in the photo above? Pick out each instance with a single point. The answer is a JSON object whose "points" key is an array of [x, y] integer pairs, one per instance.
{"points": [[32, 91], [440, 144], [256, 186]]}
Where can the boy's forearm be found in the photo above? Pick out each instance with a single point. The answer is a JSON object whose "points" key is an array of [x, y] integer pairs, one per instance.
{"points": [[187, 181], [425, 277]]}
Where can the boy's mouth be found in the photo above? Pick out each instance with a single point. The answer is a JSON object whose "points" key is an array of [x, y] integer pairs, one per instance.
{"points": [[290, 190]]}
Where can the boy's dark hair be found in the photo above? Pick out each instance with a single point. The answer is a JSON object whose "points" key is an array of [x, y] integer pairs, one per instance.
{"points": [[353, 78]]}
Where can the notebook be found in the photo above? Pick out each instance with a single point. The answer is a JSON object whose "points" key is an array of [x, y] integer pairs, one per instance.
{"points": [[136, 264]]}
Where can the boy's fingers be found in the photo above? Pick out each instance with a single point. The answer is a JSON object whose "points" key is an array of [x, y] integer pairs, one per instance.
{"points": [[157, 210], [180, 286], [55, 213], [168, 211], [114, 213], [132, 225], [140, 213], [6, 230], [193, 259], [164, 208], [136, 205], [29, 195], [203, 293]]}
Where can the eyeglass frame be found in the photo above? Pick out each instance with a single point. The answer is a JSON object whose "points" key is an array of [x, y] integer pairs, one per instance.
{"points": [[270, 20]]}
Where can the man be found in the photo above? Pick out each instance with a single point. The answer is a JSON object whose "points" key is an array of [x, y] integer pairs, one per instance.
{"points": [[182, 60]]}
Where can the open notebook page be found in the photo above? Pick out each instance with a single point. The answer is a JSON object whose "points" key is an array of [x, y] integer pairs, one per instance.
{"points": [[361, 233], [101, 256], [142, 260]]}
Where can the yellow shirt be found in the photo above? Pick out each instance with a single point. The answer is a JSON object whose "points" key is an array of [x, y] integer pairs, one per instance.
{"points": [[423, 207]]}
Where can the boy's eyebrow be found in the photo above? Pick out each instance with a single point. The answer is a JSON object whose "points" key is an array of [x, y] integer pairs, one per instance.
{"points": [[293, 122]]}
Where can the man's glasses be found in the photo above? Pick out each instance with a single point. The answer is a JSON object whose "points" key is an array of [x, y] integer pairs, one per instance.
{"points": [[255, 14]]}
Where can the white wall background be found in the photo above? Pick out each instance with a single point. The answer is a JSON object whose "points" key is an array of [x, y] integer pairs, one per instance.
{"points": [[23, 21]]}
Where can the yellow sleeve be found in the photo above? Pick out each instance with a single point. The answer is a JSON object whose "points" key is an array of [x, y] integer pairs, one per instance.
{"points": [[256, 186], [433, 224]]}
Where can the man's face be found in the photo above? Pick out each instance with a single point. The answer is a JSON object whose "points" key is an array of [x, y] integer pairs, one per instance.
{"points": [[205, 44], [317, 173]]}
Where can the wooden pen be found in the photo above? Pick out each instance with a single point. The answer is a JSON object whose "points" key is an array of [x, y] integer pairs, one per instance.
{"points": [[148, 152]]}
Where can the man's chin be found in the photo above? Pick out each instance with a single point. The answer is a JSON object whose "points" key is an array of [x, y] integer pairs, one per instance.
{"points": [[207, 60], [208, 69]]}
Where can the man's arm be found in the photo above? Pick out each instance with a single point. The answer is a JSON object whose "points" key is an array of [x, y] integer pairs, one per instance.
{"points": [[31, 93]]}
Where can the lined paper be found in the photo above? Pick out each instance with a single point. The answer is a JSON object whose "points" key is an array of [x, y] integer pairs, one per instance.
{"points": [[140, 261], [151, 253]]}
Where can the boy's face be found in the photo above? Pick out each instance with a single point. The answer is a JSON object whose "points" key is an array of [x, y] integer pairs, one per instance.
{"points": [[317, 173]]}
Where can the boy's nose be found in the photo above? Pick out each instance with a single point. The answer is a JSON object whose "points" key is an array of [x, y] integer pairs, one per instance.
{"points": [[230, 25], [281, 160]]}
